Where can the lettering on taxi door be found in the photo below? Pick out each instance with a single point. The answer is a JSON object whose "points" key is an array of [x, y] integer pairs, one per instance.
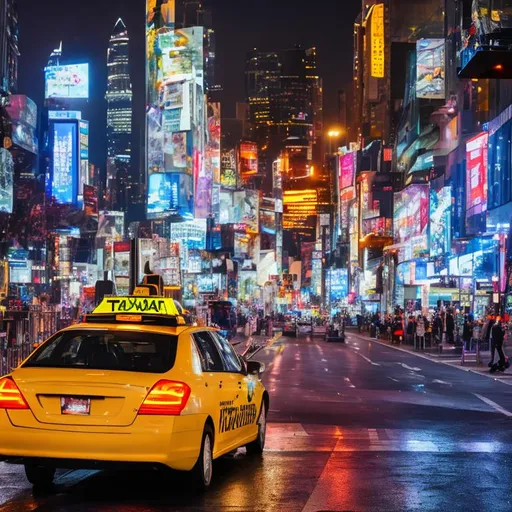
{"points": [[234, 417]]}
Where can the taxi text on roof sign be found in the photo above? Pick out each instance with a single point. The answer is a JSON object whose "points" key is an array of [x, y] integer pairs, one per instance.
{"points": [[146, 305]]}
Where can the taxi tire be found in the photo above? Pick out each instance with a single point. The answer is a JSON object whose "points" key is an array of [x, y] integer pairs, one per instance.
{"points": [[257, 446], [39, 476], [199, 472]]}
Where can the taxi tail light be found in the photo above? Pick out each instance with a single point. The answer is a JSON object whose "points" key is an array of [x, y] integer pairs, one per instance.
{"points": [[167, 398], [10, 395]]}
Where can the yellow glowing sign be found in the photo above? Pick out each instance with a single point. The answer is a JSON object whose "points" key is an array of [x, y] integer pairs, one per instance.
{"points": [[138, 305], [377, 42]]}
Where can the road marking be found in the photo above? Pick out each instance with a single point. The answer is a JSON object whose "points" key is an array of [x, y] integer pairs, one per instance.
{"points": [[367, 359], [394, 380], [494, 405], [437, 381], [407, 367], [505, 379]]}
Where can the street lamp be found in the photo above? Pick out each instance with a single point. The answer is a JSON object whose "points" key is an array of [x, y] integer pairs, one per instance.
{"points": [[333, 134]]}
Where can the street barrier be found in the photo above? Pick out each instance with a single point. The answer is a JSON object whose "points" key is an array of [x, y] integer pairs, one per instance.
{"points": [[22, 331]]}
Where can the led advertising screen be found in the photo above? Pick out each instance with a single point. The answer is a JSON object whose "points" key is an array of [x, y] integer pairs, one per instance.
{"points": [[6, 181], [228, 168], [170, 194], [212, 157], [248, 160], [190, 233], [268, 221], [430, 55], [246, 210], [226, 212], [25, 137], [347, 170], [411, 216], [476, 183], [22, 109], [338, 281], [90, 201], [347, 197], [65, 162], [111, 225], [440, 221], [69, 82]]}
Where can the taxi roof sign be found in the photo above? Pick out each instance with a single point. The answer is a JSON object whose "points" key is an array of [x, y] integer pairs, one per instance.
{"points": [[137, 305]]}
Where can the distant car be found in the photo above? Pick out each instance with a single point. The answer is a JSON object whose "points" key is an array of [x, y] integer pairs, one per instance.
{"points": [[290, 327], [132, 385], [304, 326]]}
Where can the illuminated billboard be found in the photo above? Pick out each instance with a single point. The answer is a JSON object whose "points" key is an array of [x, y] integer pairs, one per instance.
{"points": [[111, 225], [338, 284], [410, 219], [65, 162], [440, 221], [180, 176], [228, 168], [248, 160], [377, 42], [6, 181], [22, 109], [347, 170], [67, 82], [212, 156], [430, 62], [170, 194], [476, 183], [246, 210]]}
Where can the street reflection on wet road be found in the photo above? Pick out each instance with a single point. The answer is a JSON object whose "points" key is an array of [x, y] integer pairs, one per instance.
{"points": [[387, 431]]}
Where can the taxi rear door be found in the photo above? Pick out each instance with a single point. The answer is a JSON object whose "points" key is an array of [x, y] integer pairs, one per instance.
{"points": [[244, 423], [221, 392]]}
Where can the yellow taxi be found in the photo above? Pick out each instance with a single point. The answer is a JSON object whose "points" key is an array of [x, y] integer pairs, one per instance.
{"points": [[133, 384]]}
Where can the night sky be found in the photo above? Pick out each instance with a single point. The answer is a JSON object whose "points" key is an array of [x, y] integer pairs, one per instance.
{"points": [[85, 28]]}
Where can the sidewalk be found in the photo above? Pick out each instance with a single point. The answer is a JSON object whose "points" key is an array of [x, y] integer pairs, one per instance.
{"points": [[451, 356]]}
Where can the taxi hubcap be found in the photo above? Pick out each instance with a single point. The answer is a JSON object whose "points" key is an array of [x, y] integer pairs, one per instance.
{"points": [[207, 459]]}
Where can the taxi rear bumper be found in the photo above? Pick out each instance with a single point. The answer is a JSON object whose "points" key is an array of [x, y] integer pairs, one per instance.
{"points": [[150, 441]]}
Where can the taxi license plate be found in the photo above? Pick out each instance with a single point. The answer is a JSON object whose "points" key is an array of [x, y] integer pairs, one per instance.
{"points": [[78, 406]]}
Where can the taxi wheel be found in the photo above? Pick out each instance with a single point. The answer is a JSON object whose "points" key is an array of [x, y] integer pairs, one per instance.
{"points": [[39, 476], [203, 470], [257, 446]]}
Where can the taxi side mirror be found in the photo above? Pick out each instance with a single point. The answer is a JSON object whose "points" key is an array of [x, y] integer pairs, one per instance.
{"points": [[255, 368]]}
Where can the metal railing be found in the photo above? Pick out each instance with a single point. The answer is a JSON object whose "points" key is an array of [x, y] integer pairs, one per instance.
{"points": [[21, 331]]}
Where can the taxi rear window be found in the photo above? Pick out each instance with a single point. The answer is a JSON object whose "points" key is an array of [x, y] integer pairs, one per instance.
{"points": [[107, 350]]}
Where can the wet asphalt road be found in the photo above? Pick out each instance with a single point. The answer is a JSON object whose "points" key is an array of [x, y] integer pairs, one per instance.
{"points": [[353, 427]]}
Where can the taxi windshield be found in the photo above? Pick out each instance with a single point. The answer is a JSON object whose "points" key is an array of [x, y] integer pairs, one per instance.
{"points": [[107, 350]]}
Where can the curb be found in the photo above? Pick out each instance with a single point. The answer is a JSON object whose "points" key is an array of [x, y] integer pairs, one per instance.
{"points": [[507, 382]]}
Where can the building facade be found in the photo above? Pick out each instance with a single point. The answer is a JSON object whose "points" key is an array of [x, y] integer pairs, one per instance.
{"points": [[119, 118]]}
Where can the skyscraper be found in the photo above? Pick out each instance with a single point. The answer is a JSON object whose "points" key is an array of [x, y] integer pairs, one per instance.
{"points": [[119, 96]]}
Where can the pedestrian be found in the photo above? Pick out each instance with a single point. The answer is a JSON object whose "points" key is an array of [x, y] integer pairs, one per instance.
{"points": [[359, 322], [467, 331], [450, 327], [498, 337], [420, 331], [411, 330]]}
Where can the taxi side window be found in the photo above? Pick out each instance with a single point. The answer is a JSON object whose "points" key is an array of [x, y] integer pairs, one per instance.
{"points": [[210, 356], [231, 361]]}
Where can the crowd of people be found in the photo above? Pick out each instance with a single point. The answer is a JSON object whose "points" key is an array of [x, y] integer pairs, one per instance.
{"points": [[444, 326]]}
